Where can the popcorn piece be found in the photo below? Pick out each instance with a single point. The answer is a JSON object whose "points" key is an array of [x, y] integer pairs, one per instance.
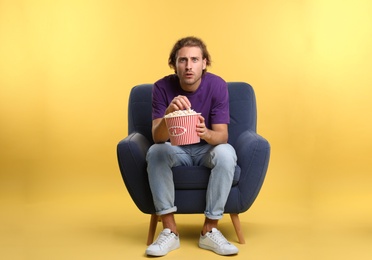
{"points": [[181, 113]]}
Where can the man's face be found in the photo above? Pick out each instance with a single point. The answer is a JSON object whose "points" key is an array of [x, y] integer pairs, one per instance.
{"points": [[189, 66]]}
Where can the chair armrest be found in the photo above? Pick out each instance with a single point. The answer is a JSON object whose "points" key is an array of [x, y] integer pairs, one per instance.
{"points": [[253, 152], [131, 153]]}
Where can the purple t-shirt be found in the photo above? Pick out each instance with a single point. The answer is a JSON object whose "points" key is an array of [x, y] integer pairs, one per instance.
{"points": [[211, 99]]}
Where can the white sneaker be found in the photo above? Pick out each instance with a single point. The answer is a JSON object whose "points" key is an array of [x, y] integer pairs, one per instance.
{"points": [[216, 242], [166, 242]]}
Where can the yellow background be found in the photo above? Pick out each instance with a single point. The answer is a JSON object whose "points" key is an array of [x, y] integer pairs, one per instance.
{"points": [[66, 69]]}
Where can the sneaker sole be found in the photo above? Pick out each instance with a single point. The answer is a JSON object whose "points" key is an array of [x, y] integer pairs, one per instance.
{"points": [[162, 253], [217, 251]]}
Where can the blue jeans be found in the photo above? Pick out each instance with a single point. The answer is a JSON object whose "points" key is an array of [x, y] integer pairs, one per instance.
{"points": [[221, 159]]}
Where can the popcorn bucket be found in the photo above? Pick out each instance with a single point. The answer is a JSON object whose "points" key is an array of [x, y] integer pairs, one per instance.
{"points": [[182, 129]]}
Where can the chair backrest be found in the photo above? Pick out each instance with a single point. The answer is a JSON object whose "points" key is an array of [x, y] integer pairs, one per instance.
{"points": [[243, 111]]}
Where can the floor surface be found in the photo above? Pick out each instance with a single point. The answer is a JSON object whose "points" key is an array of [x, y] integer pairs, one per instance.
{"points": [[294, 217]]}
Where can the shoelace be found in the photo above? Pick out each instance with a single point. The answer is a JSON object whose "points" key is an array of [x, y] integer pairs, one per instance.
{"points": [[218, 238], [164, 238]]}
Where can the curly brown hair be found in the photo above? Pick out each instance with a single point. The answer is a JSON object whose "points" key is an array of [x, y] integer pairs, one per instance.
{"points": [[189, 42]]}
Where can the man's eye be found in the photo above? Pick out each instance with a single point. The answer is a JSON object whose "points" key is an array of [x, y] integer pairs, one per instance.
{"points": [[195, 59]]}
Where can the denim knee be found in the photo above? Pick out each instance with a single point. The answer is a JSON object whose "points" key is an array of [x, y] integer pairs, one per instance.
{"points": [[157, 152], [224, 153]]}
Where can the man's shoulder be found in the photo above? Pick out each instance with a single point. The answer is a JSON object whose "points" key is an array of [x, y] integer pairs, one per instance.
{"points": [[213, 78], [214, 82], [169, 79]]}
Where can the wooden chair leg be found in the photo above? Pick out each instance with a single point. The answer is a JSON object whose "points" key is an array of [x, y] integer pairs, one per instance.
{"points": [[236, 222], [152, 228]]}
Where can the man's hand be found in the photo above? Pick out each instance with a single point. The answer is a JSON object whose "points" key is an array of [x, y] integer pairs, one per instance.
{"points": [[201, 129], [217, 135], [178, 103]]}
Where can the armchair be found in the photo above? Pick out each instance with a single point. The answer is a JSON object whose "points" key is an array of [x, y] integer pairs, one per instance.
{"points": [[253, 152]]}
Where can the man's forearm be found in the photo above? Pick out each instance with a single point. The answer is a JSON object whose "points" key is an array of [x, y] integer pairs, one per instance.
{"points": [[159, 131]]}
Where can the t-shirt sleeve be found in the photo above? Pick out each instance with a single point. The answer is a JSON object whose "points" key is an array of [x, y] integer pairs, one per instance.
{"points": [[159, 101], [220, 113]]}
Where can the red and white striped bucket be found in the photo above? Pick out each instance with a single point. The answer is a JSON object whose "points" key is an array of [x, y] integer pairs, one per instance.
{"points": [[182, 129]]}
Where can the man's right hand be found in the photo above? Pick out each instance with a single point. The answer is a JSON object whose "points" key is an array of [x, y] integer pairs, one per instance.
{"points": [[178, 103]]}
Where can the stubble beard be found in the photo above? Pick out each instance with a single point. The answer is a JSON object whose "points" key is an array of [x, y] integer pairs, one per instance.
{"points": [[191, 82]]}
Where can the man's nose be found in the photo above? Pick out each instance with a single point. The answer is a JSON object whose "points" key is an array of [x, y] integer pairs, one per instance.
{"points": [[188, 65]]}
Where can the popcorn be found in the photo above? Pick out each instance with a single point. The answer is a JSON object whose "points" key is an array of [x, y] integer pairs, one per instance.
{"points": [[186, 112], [181, 126]]}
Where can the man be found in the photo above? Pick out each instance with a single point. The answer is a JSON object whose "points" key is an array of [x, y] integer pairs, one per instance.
{"points": [[191, 87]]}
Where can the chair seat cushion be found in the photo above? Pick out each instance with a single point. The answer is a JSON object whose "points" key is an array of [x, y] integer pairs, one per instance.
{"points": [[196, 177]]}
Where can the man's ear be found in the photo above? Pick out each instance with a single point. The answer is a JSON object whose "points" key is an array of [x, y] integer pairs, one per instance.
{"points": [[204, 64]]}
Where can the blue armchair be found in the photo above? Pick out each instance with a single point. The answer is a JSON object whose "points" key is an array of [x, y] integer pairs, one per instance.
{"points": [[253, 152]]}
